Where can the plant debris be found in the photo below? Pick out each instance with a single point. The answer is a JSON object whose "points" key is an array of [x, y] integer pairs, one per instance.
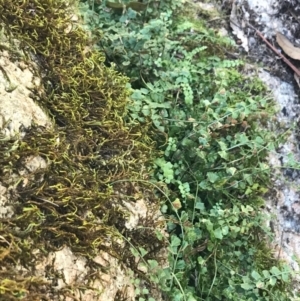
{"points": [[287, 46]]}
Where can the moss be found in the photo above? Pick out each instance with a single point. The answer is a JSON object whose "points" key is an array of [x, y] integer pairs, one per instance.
{"points": [[89, 148]]}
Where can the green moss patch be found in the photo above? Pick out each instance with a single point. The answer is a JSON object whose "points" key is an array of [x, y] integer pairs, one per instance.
{"points": [[73, 201]]}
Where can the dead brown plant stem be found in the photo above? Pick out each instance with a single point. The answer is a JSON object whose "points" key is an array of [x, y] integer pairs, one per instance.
{"points": [[296, 70]]}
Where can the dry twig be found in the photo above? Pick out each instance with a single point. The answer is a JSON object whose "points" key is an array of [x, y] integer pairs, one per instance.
{"points": [[295, 69]]}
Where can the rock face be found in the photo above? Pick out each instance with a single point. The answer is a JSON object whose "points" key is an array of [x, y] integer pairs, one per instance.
{"points": [[283, 201], [18, 111]]}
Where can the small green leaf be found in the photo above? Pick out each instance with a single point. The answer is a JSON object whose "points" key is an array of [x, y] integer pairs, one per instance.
{"points": [[275, 271], [248, 191], [222, 145], [255, 275], [218, 233], [126, 63], [191, 298], [260, 284], [205, 185], [199, 205], [164, 208], [259, 140], [135, 252], [200, 260], [264, 166], [272, 281], [180, 265], [225, 230], [212, 177], [143, 252], [224, 155], [159, 235], [175, 241], [285, 277], [153, 264], [231, 170], [247, 286], [266, 274]]}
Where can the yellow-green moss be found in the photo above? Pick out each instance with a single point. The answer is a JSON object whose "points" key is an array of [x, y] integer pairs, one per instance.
{"points": [[89, 148]]}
